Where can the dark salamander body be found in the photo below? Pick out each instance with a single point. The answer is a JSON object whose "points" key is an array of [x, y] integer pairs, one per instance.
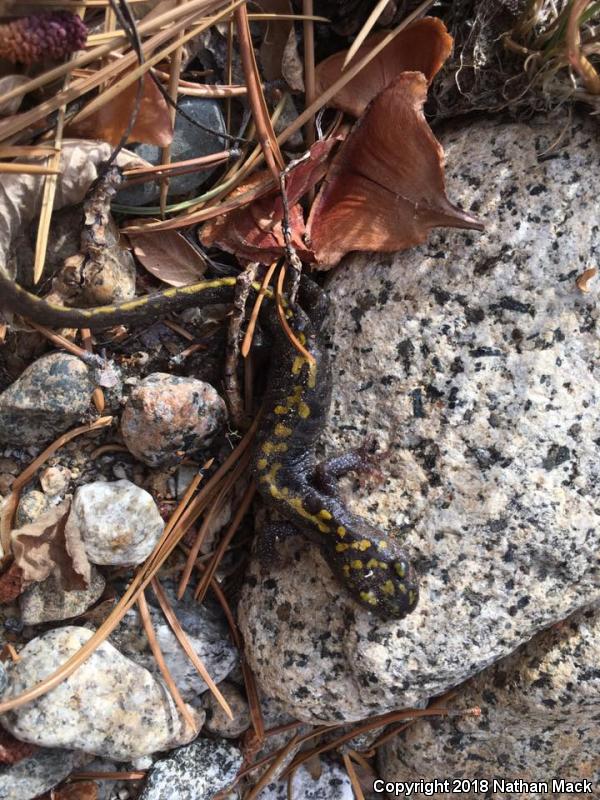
{"points": [[367, 561]]}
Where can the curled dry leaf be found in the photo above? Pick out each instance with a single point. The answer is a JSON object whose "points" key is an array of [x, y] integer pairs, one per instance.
{"points": [[7, 84], [421, 47], [21, 195], [152, 124], [254, 232], [52, 544], [583, 280], [169, 256], [81, 790], [11, 584], [13, 750], [385, 188]]}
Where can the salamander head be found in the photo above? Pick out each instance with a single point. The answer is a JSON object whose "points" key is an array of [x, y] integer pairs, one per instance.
{"points": [[377, 573]]}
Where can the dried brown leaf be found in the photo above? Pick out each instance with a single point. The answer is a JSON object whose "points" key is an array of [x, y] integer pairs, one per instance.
{"points": [[253, 233], [52, 544], [7, 83], [169, 256], [385, 188], [81, 790], [13, 750], [423, 47], [152, 124], [11, 584], [21, 195]]}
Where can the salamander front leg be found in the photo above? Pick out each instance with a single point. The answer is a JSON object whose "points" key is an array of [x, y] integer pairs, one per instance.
{"points": [[360, 459]]}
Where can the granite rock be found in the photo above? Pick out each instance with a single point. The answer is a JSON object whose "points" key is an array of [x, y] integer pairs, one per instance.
{"points": [[108, 707], [332, 784], [35, 775], [50, 396], [189, 141], [217, 722], [119, 522], [169, 418], [31, 506], [473, 360], [49, 601], [207, 632], [539, 718], [195, 772]]}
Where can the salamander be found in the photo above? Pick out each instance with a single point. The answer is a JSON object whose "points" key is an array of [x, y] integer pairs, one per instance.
{"points": [[368, 562]]}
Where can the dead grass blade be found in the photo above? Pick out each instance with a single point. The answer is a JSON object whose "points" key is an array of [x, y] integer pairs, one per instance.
{"points": [[215, 508], [358, 792], [225, 540], [164, 548], [172, 89], [577, 58], [162, 664], [247, 343], [256, 98], [115, 43], [284, 323], [187, 647], [18, 122], [309, 69], [365, 30], [28, 169]]}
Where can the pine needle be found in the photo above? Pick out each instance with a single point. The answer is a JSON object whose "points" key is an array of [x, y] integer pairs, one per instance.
{"points": [[162, 664], [187, 647]]}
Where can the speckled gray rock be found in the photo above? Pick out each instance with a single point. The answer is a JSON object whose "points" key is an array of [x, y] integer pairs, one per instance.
{"points": [[35, 775], [195, 772], [189, 141], [206, 630], [118, 521], [332, 784], [168, 418], [473, 360], [109, 706], [539, 718], [217, 722], [49, 601], [31, 506], [50, 396]]}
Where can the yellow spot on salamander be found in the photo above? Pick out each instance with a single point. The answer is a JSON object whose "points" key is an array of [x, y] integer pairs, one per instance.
{"points": [[262, 463], [269, 447], [346, 570], [363, 545], [368, 597], [402, 588], [382, 544], [301, 338], [357, 564], [341, 531], [400, 569], [388, 588], [324, 514], [296, 504], [297, 364], [341, 547], [412, 598], [312, 376], [282, 430], [372, 563], [281, 410], [303, 410]]}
